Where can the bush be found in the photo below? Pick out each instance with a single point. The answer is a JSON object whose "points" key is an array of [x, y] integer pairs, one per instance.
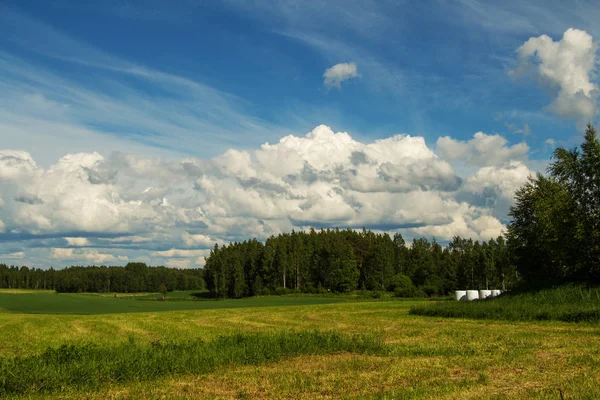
{"points": [[402, 286], [400, 292], [280, 291], [429, 290]]}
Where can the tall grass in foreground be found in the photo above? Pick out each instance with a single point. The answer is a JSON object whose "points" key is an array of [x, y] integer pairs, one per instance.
{"points": [[89, 367], [567, 303]]}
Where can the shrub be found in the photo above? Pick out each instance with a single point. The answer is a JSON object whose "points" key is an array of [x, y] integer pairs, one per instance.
{"points": [[280, 291], [402, 286]]}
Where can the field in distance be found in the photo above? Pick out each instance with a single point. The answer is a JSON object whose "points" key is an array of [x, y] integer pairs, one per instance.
{"points": [[419, 357], [49, 302]]}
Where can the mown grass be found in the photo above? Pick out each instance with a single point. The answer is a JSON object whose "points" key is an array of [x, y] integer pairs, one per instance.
{"points": [[88, 367], [424, 358], [568, 304], [69, 303]]}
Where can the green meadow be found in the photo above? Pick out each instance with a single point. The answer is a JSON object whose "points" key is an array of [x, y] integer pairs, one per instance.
{"points": [[48, 302], [305, 347], [567, 303]]}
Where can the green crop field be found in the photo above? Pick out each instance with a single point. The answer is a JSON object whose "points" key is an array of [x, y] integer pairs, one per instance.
{"points": [[297, 347]]}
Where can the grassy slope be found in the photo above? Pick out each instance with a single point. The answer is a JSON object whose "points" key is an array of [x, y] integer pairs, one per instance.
{"points": [[431, 357], [569, 304]]}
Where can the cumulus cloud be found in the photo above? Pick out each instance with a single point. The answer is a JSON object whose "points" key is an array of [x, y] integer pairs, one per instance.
{"points": [[482, 150], [12, 256], [334, 76], [77, 241], [494, 187], [481, 228], [198, 240], [61, 253], [180, 253], [92, 256], [101, 210], [567, 66]]}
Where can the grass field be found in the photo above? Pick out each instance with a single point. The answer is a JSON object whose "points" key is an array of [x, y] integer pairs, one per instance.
{"points": [[48, 302], [569, 304], [419, 357]]}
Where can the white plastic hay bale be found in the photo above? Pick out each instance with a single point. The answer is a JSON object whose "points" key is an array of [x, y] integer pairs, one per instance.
{"points": [[472, 295], [484, 294], [460, 295], [496, 292]]}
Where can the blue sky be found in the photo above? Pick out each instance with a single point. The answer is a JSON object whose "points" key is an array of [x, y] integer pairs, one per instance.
{"points": [[205, 81]]}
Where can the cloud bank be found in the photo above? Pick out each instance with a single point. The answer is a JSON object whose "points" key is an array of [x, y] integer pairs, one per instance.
{"points": [[87, 208]]}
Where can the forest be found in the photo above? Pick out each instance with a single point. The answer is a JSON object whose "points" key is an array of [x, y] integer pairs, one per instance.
{"points": [[346, 260], [134, 277]]}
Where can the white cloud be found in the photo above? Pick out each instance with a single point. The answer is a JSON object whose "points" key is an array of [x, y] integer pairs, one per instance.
{"points": [[481, 228], [61, 253], [198, 240], [77, 241], [92, 256], [11, 256], [482, 150], [96, 209], [95, 257], [568, 66], [494, 187], [334, 76], [185, 263], [181, 253]]}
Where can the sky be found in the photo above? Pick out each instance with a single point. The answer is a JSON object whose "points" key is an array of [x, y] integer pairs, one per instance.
{"points": [[150, 130]]}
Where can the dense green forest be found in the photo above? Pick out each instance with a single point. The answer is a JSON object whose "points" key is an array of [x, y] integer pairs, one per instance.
{"points": [[134, 277], [345, 260]]}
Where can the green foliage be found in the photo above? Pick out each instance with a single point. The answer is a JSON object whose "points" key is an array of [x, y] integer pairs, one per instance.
{"points": [[341, 261], [162, 288], [402, 286], [88, 367], [555, 232], [567, 303], [133, 278]]}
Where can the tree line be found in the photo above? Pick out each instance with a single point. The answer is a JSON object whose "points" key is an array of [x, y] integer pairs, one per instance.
{"points": [[335, 260], [555, 230], [134, 277]]}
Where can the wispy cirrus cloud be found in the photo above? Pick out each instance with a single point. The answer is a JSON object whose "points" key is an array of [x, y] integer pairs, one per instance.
{"points": [[135, 105]]}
